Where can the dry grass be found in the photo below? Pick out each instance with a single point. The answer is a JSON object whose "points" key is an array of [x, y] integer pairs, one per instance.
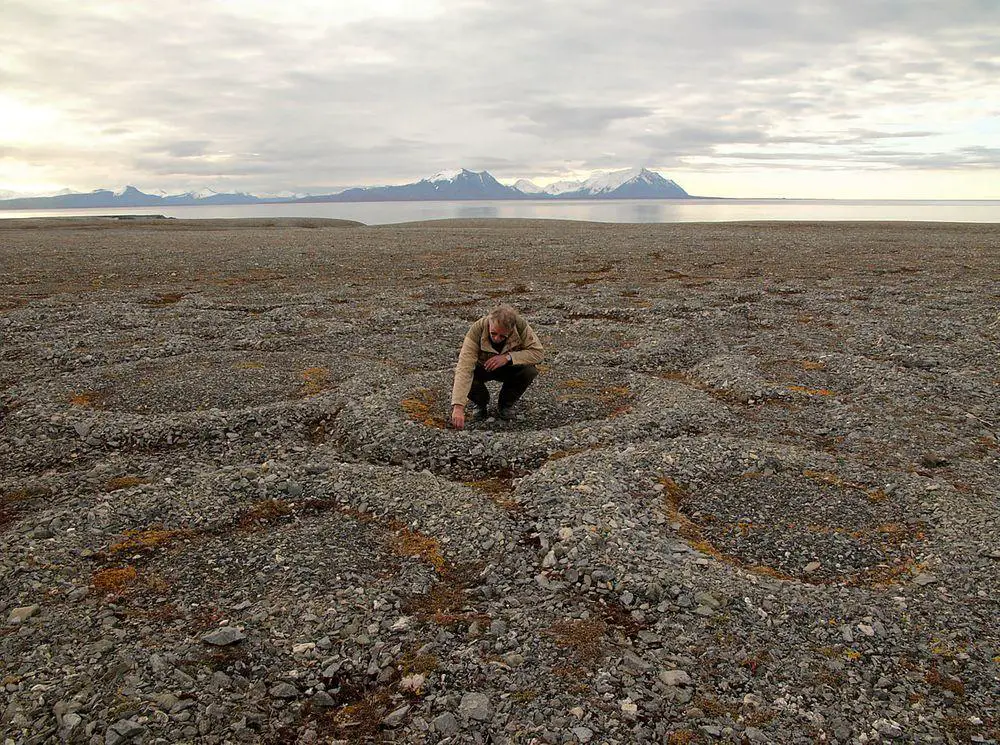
{"points": [[165, 298], [262, 514], [938, 679], [124, 482], [411, 543], [420, 407], [584, 637], [13, 503], [873, 494], [683, 737], [498, 490], [89, 399], [810, 391]]}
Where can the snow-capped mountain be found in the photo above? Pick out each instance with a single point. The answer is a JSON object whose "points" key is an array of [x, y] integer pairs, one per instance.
{"points": [[560, 187], [448, 185], [461, 184], [129, 196], [635, 183], [525, 186]]}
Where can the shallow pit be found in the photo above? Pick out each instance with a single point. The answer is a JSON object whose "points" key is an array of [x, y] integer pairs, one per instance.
{"points": [[813, 525]]}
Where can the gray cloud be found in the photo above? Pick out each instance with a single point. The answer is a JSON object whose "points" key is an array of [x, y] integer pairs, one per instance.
{"points": [[213, 93]]}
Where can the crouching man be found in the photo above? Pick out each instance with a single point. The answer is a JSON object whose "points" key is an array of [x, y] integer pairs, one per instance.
{"points": [[499, 346]]}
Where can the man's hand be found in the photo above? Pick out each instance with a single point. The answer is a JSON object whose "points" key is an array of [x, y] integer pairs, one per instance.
{"points": [[458, 416], [496, 362]]}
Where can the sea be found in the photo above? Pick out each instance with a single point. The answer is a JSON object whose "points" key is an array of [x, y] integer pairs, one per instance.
{"points": [[610, 211]]}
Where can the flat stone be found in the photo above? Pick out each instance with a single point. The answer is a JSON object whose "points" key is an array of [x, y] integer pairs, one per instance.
{"points": [[283, 690], [583, 734], [124, 730], [445, 724], [22, 614], [413, 682], [395, 718], [323, 700], [71, 720], [675, 678], [475, 706], [924, 578], [811, 567], [224, 636]]}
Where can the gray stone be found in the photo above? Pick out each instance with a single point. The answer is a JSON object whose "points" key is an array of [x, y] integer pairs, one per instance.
{"points": [[22, 614], [924, 578], [283, 690], [323, 700], [224, 636], [888, 727], [71, 719], [395, 718], [445, 724], [475, 706], [583, 734], [124, 730], [675, 678]]}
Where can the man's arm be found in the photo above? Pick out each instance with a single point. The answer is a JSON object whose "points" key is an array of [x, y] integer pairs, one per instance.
{"points": [[466, 365]]}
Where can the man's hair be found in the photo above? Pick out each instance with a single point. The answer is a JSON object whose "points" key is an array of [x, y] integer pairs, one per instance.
{"points": [[503, 316]]}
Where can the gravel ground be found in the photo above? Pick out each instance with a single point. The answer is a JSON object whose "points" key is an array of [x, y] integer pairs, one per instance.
{"points": [[751, 498]]}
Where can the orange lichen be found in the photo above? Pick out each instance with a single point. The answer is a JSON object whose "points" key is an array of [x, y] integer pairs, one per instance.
{"points": [[315, 380], [810, 391], [114, 580], [145, 540], [411, 543], [419, 408]]}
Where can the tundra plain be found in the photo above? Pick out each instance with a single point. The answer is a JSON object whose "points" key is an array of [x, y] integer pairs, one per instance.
{"points": [[751, 497]]}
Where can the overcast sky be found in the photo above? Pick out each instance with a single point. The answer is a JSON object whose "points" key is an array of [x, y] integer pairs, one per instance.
{"points": [[751, 98]]}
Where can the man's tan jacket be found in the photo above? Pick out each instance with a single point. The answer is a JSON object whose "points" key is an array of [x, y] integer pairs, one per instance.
{"points": [[522, 345]]}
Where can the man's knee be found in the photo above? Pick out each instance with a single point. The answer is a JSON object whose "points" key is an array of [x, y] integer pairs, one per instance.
{"points": [[529, 373]]}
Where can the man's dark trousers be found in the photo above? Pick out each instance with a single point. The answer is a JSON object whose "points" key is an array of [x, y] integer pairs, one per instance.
{"points": [[515, 380]]}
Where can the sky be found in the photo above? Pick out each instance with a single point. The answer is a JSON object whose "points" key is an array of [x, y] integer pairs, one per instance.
{"points": [[836, 99]]}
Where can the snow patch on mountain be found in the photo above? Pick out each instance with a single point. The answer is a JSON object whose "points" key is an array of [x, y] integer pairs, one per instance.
{"points": [[600, 183], [561, 187], [525, 186], [446, 175]]}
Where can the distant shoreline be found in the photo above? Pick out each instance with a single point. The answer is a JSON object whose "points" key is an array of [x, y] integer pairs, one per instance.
{"points": [[593, 210]]}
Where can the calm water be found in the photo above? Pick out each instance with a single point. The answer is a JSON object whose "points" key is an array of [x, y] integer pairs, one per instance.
{"points": [[616, 211]]}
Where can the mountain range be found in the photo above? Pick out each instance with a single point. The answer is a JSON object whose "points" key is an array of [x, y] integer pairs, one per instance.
{"points": [[463, 184]]}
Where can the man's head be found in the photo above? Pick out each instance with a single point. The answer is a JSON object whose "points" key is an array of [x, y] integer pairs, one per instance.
{"points": [[501, 321]]}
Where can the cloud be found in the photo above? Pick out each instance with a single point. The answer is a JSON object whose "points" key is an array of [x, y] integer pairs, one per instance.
{"points": [[259, 95]]}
